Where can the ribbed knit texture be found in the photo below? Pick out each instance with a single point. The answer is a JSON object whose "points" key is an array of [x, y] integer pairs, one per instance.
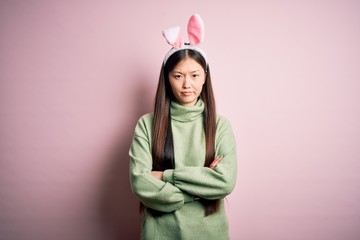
{"points": [[184, 217]]}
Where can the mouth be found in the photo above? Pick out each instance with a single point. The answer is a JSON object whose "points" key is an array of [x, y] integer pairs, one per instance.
{"points": [[186, 93]]}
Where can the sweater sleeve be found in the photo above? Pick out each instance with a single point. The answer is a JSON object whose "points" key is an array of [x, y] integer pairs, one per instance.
{"points": [[152, 192], [203, 181]]}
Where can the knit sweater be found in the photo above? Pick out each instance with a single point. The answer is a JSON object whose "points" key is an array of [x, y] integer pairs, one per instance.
{"points": [[184, 217]]}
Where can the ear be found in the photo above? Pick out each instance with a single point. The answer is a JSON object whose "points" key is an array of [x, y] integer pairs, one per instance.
{"points": [[173, 36], [195, 29]]}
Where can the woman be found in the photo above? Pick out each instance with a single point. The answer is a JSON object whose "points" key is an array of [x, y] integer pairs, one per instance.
{"points": [[183, 156]]}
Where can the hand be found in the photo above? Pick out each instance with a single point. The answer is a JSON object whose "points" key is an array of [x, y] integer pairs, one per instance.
{"points": [[157, 174], [215, 162]]}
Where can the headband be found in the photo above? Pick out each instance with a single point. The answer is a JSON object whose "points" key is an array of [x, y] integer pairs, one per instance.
{"points": [[195, 30]]}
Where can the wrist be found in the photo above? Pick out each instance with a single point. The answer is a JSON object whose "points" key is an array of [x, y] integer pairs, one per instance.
{"points": [[168, 176]]}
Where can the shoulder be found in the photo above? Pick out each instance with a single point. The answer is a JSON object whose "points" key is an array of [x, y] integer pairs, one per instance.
{"points": [[223, 126], [224, 131], [222, 122], [144, 124], [147, 117]]}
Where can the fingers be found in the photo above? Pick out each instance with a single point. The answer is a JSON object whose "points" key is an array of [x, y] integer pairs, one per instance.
{"points": [[215, 162]]}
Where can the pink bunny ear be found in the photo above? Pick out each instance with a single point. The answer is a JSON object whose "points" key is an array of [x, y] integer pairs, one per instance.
{"points": [[173, 36], [195, 29]]}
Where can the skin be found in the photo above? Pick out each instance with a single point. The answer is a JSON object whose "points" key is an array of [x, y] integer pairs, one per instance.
{"points": [[186, 81]]}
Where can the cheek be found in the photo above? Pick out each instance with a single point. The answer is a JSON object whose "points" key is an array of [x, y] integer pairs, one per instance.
{"points": [[175, 86], [199, 85]]}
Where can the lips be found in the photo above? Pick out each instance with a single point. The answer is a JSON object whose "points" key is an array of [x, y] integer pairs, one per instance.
{"points": [[186, 93]]}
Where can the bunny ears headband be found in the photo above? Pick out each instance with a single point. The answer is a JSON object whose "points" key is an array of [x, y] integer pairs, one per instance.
{"points": [[195, 30]]}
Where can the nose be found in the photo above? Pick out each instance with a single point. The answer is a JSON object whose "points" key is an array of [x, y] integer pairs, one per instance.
{"points": [[186, 83]]}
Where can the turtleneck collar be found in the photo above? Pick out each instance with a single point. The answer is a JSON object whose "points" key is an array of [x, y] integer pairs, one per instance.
{"points": [[185, 114]]}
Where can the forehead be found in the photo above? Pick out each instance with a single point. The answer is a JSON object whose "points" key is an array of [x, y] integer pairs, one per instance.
{"points": [[188, 64]]}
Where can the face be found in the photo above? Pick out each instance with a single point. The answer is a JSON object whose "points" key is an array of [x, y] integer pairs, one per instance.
{"points": [[186, 81]]}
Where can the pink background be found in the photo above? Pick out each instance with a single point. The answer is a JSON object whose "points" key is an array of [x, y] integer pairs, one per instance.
{"points": [[75, 76]]}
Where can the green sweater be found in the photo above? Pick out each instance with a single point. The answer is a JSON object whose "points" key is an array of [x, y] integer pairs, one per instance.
{"points": [[184, 217]]}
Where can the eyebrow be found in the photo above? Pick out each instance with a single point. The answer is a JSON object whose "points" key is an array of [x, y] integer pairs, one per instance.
{"points": [[176, 71]]}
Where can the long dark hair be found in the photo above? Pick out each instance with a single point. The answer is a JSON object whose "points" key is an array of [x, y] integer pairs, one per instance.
{"points": [[162, 141]]}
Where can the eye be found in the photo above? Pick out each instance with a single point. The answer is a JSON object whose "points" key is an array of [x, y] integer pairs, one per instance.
{"points": [[195, 75], [177, 76]]}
